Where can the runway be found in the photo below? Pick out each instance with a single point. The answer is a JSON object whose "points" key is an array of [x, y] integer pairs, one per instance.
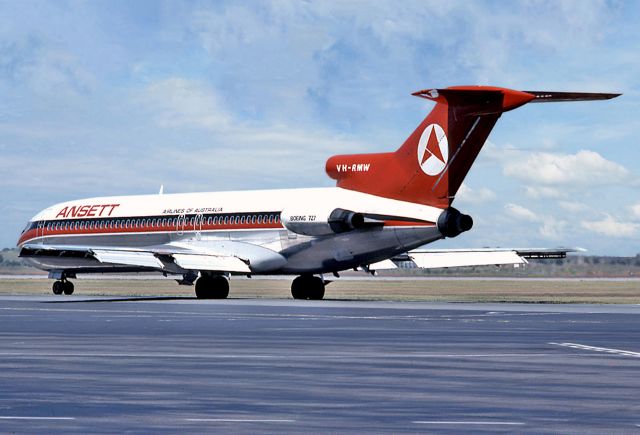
{"points": [[78, 365]]}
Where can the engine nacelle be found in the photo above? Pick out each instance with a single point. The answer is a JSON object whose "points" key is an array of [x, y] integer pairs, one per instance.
{"points": [[322, 222], [451, 222]]}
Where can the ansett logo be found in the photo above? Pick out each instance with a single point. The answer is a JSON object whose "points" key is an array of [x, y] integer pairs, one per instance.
{"points": [[433, 150]]}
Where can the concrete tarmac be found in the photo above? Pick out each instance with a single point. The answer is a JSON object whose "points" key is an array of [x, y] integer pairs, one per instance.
{"points": [[98, 365]]}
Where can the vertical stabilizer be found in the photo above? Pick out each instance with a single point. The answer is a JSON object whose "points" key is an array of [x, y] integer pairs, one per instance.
{"points": [[431, 164]]}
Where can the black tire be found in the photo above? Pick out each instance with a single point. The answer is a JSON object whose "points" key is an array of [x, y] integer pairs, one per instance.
{"points": [[58, 287], [307, 287], [68, 287], [203, 287], [298, 288], [316, 289], [212, 287], [220, 287]]}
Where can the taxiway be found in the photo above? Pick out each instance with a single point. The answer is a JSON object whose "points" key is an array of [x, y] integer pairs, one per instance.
{"points": [[179, 365]]}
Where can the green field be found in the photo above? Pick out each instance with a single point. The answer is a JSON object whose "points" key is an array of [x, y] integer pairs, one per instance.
{"points": [[478, 290]]}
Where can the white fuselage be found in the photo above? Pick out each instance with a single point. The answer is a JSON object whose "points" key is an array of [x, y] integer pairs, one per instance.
{"points": [[265, 226]]}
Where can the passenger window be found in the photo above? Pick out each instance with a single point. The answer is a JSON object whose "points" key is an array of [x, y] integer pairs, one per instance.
{"points": [[259, 219], [209, 220], [226, 219], [242, 220], [153, 222]]}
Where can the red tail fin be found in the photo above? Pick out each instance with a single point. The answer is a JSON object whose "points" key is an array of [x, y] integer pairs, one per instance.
{"points": [[432, 163]]}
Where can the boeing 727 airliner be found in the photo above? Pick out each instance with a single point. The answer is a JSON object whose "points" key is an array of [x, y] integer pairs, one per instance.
{"points": [[384, 207]]}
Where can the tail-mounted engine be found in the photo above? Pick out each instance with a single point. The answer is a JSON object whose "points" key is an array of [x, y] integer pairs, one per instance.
{"points": [[451, 222], [324, 222]]}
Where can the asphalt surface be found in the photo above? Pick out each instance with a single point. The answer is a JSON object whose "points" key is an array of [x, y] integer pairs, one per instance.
{"points": [[79, 365]]}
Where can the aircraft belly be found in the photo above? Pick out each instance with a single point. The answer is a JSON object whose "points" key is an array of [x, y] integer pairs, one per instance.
{"points": [[352, 249]]}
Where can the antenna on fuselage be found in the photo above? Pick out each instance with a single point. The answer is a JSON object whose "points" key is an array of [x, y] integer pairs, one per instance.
{"points": [[161, 191]]}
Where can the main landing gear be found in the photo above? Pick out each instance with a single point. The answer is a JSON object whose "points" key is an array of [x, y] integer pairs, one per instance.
{"points": [[307, 287], [212, 287], [62, 286]]}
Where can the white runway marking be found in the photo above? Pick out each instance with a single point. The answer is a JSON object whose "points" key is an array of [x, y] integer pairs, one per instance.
{"points": [[598, 349], [472, 423], [13, 417], [239, 420]]}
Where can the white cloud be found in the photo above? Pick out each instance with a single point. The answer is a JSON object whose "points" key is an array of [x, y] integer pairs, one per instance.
{"points": [[635, 209], [468, 195], [553, 229], [538, 192], [572, 206], [176, 102], [521, 213], [585, 168], [611, 227]]}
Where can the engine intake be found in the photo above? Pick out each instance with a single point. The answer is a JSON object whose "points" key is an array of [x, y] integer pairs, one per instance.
{"points": [[341, 220], [451, 222]]}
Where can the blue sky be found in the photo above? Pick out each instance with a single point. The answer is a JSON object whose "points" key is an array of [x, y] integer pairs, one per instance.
{"points": [[113, 98]]}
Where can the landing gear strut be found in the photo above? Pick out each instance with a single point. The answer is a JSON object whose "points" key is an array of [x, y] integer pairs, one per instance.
{"points": [[307, 287], [212, 287], [63, 286]]}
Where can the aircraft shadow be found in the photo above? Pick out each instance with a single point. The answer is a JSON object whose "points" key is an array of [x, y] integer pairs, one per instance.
{"points": [[127, 299]]}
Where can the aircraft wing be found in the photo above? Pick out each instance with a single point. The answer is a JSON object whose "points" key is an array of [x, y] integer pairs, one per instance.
{"points": [[227, 256], [442, 258]]}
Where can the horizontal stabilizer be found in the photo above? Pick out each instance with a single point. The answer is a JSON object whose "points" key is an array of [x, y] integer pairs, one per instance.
{"points": [[550, 97]]}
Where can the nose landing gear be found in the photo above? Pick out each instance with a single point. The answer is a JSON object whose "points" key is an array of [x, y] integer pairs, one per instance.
{"points": [[307, 287]]}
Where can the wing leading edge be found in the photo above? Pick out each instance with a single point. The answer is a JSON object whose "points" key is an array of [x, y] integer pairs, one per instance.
{"points": [[163, 258]]}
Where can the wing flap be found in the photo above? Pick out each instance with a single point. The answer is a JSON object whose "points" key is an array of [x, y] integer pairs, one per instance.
{"points": [[432, 260], [131, 258], [211, 262], [383, 265]]}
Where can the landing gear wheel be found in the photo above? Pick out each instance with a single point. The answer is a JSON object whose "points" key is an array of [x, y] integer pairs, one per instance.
{"points": [[67, 287], [307, 287], [212, 287], [316, 289], [58, 287]]}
